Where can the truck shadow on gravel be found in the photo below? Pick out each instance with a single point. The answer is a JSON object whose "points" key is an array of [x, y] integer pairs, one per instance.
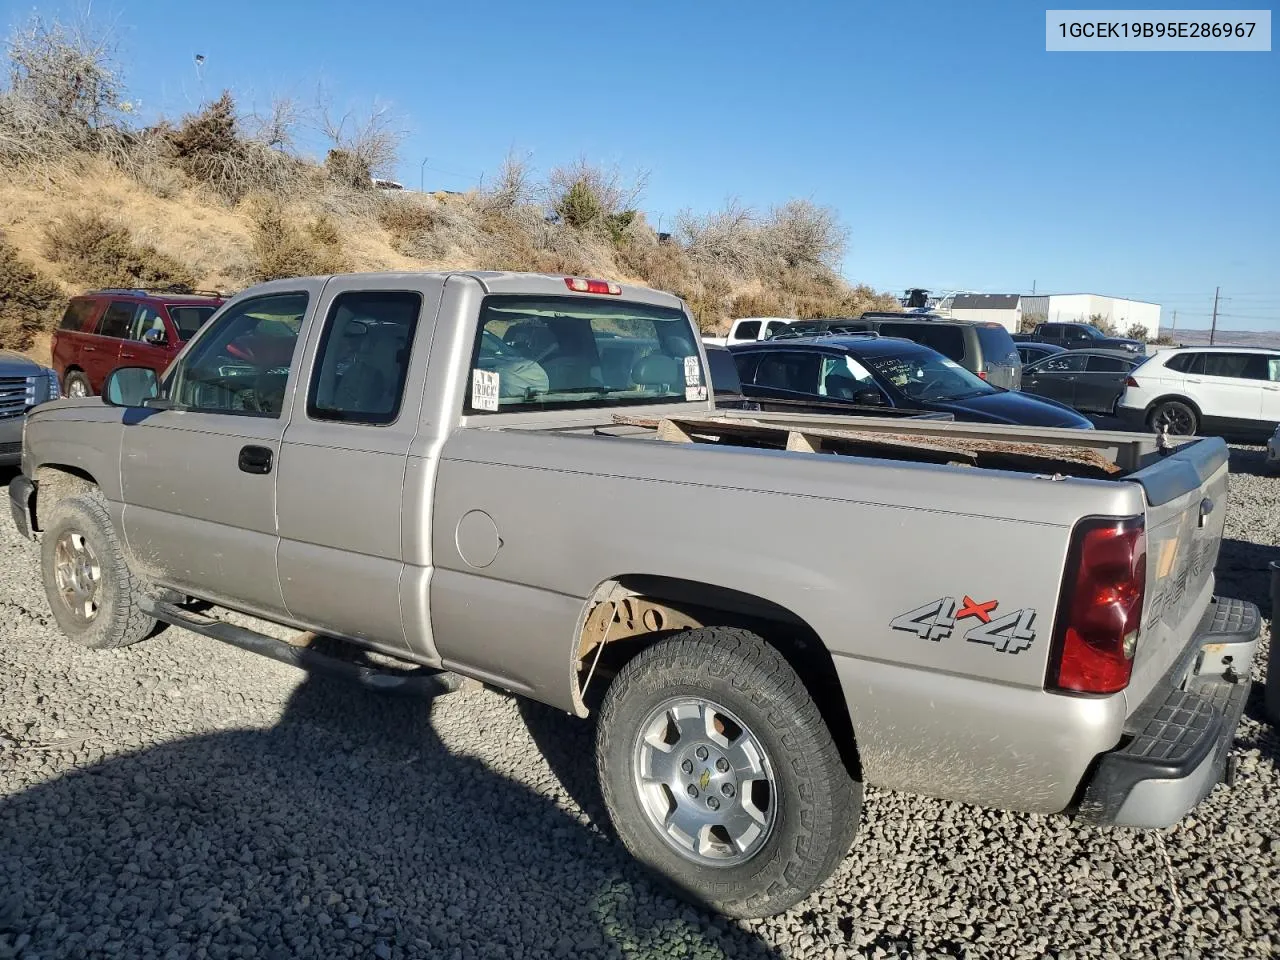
{"points": [[347, 829]]}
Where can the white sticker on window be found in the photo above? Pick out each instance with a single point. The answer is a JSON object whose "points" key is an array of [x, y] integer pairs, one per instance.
{"points": [[692, 372], [484, 389], [695, 393]]}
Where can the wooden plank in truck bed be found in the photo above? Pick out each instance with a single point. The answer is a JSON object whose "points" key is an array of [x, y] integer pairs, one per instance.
{"points": [[916, 445]]}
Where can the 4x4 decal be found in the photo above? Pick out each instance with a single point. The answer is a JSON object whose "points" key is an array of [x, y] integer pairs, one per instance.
{"points": [[936, 621]]}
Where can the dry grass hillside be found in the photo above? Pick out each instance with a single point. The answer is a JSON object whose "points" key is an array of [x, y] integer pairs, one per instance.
{"points": [[220, 199]]}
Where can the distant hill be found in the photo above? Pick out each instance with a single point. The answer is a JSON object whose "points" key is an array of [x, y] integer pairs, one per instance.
{"points": [[1225, 338]]}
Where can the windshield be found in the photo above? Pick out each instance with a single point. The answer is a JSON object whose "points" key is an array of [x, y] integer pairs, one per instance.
{"points": [[189, 320], [545, 353], [928, 376]]}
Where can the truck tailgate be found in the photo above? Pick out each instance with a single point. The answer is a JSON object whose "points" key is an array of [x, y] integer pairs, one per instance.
{"points": [[1186, 494]]}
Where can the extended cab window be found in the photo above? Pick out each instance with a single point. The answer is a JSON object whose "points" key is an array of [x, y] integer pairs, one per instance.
{"points": [[363, 360], [747, 331], [240, 365], [549, 353]]}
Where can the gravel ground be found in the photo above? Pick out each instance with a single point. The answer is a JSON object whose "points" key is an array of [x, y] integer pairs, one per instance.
{"points": [[181, 798]]}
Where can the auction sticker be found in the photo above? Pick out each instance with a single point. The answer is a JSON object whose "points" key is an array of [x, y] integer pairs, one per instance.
{"points": [[484, 390], [692, 372], [695, 393]]}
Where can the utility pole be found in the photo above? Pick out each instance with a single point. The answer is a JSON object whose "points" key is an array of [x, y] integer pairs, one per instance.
{"points": [[1175, 321], [422, 175], [1033, 288], [1213, 328]]}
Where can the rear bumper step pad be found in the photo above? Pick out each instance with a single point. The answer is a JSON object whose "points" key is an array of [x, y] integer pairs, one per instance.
{"points": [[1180, 752]]}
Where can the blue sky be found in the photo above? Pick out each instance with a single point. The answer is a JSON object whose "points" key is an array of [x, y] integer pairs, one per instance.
{"points": [[957, 151]]}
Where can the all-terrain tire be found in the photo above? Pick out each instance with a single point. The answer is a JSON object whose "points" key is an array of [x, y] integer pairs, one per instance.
{"points": [[817, 804], [91, 564]]}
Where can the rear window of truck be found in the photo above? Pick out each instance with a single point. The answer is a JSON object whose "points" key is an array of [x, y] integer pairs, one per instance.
{"points": [[556, 353], [997, 345]]}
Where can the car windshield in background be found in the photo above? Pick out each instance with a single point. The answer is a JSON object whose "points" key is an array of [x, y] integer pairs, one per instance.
{"points": [[921, 376], [548, 353], [189, 320]]}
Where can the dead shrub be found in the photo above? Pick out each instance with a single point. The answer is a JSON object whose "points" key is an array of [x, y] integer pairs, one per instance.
{"points": [[801, 233], [64, 88], [29, 303], [765, 303], [94, 252], [726, 239], [282, 248], [362, 145], [210, 149]]}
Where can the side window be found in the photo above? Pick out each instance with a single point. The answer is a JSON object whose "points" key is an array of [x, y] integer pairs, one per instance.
{"points": [[78, 313], [1187, 363], [1273, 369], [797, 372], [844, 377], [240, 365], [363, 359], [117, 320], [773, 326], [145, 319], [1075, 334], [1063, 363], [1237, 366], [749, 330], [1101, 364], [746, 364]]}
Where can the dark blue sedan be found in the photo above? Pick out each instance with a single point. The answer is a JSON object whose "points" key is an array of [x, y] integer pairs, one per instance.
{"points": [[883, 371]]}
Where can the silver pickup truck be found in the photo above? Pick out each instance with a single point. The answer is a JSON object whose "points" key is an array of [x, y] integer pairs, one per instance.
{"points": [[523, 480]]}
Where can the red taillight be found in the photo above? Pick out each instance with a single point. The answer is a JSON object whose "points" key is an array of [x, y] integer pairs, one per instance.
{"points": [[579, 285], [982, 374], [1130, 382], [1101, 609]]}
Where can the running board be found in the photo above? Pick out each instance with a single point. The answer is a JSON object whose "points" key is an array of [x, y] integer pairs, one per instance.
{"points": [[420, 681]]}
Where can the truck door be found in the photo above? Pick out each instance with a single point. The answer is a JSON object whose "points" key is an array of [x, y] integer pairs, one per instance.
{"points": [[199, 478], [344, 456]]}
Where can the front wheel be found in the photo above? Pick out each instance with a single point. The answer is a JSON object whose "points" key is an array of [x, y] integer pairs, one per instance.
{"points": [[92, 593], [720, 775], [1176, 417]]}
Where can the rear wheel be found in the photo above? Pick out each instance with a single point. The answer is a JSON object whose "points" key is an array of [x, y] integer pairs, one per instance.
{"points": [[76, 384], [1176, 417], [720, 775], [92, 593]]}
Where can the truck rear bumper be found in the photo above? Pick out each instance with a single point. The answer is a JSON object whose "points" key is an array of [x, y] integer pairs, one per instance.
{"points": [[1182, 735]]}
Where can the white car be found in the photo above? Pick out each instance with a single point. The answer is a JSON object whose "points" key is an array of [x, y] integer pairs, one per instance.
{"points": [[1190, 390], [751, 329]]}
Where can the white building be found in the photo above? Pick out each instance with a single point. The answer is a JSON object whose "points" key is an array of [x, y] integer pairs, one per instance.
{"points": [[1010, 310], [1002, 308], [1120, 312]]}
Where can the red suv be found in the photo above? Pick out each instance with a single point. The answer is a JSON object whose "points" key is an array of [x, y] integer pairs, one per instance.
{"points": [[106, 329]]}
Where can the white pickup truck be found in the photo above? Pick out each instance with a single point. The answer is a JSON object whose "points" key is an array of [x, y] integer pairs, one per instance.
{"points": [[751, 329]]}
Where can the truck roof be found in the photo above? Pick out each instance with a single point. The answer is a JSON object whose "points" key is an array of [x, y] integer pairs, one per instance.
{"points": [[543, 284], [863, 346]]}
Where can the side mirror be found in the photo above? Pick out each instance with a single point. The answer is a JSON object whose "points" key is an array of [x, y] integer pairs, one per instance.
{"points": [[870, 397], [155, 337], [130, 387]]}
